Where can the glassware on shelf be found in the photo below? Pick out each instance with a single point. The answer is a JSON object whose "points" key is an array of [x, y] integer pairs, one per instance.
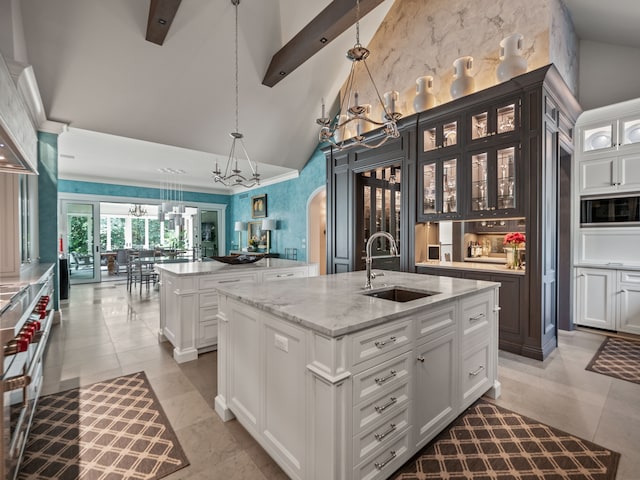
{"points": [[430, 139], [450, 133], [506, 118], [479, 125]]}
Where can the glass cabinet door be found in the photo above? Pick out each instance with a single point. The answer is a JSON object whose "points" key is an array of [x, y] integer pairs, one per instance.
{"points": [[440, 189], [438, 136], [494, 182], [494, 120], [597, 137], [479, 182], [629, 131]]}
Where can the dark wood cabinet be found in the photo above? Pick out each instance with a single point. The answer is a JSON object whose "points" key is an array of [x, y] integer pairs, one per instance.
{"points": [[506, 142]]}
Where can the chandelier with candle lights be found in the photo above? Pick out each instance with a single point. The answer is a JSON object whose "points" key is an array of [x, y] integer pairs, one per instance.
{"points": [[356, 116]]}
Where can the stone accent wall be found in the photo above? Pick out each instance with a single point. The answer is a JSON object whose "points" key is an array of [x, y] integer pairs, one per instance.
{"points": [[420, 37]]}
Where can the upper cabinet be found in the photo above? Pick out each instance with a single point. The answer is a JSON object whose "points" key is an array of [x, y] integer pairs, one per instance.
{"points": [[620, 134], [493, 121], [608, 152]]}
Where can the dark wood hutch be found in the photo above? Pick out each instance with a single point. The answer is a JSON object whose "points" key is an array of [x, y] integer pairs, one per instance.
{"points": [[500, 153]]}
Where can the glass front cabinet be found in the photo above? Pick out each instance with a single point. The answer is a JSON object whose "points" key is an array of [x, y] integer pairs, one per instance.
{"points": [[492, 179], [493, 121], [439, 170]]}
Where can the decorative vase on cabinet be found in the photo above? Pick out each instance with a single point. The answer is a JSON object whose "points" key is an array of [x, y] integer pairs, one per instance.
{"points": [[512, 63], [424, 99], [463, 83]]}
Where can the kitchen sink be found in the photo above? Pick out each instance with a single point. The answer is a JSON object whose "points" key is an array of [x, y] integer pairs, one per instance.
{"points": [[397, 294]]}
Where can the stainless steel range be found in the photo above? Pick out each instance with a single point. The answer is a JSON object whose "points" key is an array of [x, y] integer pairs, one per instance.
{"points": [[26, 315]]}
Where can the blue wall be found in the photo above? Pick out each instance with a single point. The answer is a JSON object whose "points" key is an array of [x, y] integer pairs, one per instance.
{"points": [[48, 202], [287, 203]]}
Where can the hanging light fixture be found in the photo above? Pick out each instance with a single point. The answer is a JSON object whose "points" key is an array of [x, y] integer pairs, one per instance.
{"points": [[171, 195], [137, 210], [356, 116], [232, 174]]}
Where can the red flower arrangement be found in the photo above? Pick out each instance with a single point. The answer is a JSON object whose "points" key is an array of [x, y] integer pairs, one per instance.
{"points": [[514, 239]]}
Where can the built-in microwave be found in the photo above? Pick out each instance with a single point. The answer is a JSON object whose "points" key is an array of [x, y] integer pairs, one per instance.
{"points": [[610, 211]]}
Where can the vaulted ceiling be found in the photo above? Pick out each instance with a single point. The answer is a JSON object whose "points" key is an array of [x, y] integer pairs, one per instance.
{"points": [[96, 72]]}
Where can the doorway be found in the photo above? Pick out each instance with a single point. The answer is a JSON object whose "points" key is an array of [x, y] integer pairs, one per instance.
{"points": [[79, 229], [317, 228]]}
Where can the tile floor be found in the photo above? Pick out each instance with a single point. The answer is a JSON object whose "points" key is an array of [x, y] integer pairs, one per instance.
{"points": [[106, 332]]}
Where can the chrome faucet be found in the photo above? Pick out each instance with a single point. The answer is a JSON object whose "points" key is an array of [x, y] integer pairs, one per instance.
{"points": [[394, 251]]}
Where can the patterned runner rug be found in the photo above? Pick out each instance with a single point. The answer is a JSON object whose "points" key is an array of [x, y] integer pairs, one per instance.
{"points": [[619, 358], [491, 442], [109, 430]]}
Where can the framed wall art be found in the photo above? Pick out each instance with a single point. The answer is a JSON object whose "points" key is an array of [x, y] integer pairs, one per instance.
{"points": [[259, 206]]}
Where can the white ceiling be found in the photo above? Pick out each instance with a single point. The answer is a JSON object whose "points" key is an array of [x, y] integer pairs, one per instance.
{"points": [[174, 104]]}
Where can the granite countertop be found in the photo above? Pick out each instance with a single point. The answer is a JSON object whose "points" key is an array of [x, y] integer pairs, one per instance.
{"points": [[334, 305], [213, 266], [11, 286], [475, 266], [610, 265]]}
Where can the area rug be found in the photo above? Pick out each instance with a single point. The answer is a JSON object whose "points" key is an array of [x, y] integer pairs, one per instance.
{"points": [[491, 442], [110, 430], [619, 358]]}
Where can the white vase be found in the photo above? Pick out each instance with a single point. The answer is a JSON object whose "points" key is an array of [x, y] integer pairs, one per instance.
{"points": [[390, 103], [424, 98], [463, 83], [512, 63]]}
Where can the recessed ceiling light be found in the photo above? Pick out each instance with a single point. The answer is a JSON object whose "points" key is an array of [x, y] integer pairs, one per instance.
{"points": [[175, 171], [323, 40], [162, 21], [283, 73]]}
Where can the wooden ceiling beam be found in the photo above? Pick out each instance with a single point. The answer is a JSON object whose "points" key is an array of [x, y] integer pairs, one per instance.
{"points": [[328, 25], [161, 14]]}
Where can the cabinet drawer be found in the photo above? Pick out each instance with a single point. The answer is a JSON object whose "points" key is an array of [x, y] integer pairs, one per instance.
{"points": [[209, 314], [379, 378], [212, 281], [284, 274], [384, 462], [380, 435], [209, 299], [379, 407], [476, 315], [475, 374], [207, 334], [435, 322], [629, 277], [379, 341]]}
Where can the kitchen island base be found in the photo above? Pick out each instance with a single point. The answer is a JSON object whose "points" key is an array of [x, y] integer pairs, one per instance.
{"points": [[354, 403]]}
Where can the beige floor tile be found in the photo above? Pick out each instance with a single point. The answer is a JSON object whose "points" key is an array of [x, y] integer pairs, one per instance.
{"points": [[186, 409]]}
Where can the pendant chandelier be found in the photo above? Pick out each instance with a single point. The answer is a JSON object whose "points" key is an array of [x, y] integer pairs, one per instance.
{"points": [[172, 205], [355, 117], [137, 210], [232, 174]]}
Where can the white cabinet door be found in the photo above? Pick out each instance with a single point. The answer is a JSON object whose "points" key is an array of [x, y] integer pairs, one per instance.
{"points": [[629, 302], [435, 386], [595, 298], [628, 173], [597, 175]]}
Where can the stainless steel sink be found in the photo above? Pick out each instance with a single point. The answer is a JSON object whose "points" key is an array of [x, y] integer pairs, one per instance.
{"points": [[398, 294]]}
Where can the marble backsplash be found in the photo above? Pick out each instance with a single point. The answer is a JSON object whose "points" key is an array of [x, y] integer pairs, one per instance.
{"points": [[420, 37]]}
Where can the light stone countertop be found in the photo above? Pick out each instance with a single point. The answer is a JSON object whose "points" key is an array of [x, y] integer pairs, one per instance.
{"points": [[213, 266], [11, 286], [475, 266], [609, 265], [334, 305]]}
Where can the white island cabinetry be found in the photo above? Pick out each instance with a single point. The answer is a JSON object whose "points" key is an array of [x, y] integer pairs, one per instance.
{"points": [[338, 385], [189, 299]]}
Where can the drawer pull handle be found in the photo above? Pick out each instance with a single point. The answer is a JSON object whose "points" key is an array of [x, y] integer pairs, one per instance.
{"points": [[383, 343], [380, 436], [229, 281], [381, 465], [392, 374], [420, 358], [480, 316], [280, 275], [477, 372], [392, 401]]}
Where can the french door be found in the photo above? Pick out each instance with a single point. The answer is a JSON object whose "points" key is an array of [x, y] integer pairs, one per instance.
{"points": [[80, 229]]}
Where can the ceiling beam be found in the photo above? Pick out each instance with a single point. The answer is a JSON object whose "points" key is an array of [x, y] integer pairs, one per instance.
{"points": [[161, 14], [328, 25]]}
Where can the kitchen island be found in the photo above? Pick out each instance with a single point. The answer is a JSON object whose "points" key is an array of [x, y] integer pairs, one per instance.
{"points": [[337, 382], [189, 300]]}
